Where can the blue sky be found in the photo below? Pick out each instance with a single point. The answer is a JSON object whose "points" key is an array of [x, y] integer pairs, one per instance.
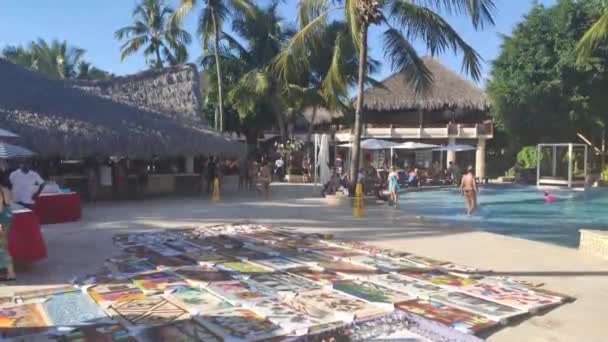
{"points": [[90, 24]]}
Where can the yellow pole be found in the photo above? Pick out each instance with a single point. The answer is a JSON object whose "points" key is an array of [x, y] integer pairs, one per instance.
{"points": [[215, 197], [358, 201]]}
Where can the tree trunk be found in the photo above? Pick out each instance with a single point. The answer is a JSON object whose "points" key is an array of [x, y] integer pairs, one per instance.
{"points": [[603, 157], [276, 110], [220, 95], [159, 62], [311, 127], [356, 148]]}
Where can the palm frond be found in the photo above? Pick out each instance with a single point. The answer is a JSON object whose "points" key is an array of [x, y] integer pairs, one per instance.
{"points": [[481, 12], [132, 46], [403, 57], [597, 34], [334, 86], [185, 6]]}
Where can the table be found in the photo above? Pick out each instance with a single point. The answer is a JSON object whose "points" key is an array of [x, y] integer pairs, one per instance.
{"points": [[25, 243], [58, 208]]}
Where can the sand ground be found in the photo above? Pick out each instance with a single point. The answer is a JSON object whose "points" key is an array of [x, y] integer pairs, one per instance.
{"points": [[79, 248]]}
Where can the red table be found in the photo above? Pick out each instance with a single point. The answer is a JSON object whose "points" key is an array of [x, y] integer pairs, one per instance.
{"points": [[25, 243], [58, 208]]}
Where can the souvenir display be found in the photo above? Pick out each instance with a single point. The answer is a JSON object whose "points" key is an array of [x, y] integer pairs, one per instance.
{"points": [[319, 276], [157, 282], [73, 309], [491, 310], [277, 264], [292, 321], [371, 292], [461, 320], [129, 266], [511, 296], [40, 295], [197, 300], [111, 332], [281, 283], [439, 278], [108, 293], [241, 324], [236, 292], [411, 286], [345, 267], [242, 267], [184, 331], [308, 258], [147, 311], [201, 275], [384, 264], [23, 316]]}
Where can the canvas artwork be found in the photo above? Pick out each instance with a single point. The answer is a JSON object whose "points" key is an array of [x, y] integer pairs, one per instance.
{"points": [[201, 275], [183, 331], [493, 311], [439, 278], [308, 258], [235, 292], [411, 286], [460, 320], [241, 324], [73, 309], [210, 258], [197, 300], [157, 282], [273, 283], [129, 266], [242, 267], [371, 292], [338, 252], [345, 267], [39, 295], [319, 276], [182, 246], [382, 329], [294, 322], [243, 254], [161, 261], [422, 261], [148, 311], [97, 333], [139, 251], [462, 270], [384, 264], [510, 296], [359, 246], [278, 264], [343, 307], [262, 248], [23, 316], [107, 293]]}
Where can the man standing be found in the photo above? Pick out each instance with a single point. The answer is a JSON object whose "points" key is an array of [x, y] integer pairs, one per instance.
{"points": [[469, 190], [27, 185]]}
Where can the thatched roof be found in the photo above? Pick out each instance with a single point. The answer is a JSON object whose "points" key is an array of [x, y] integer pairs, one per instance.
{"points": [[449, 92], [322, 116], [60, 118]]}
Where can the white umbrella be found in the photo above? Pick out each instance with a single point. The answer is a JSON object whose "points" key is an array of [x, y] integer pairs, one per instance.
{"points": [[374, 144], [6, 134], [8, 151], [410, 145], [456, 148], [324, 160]]}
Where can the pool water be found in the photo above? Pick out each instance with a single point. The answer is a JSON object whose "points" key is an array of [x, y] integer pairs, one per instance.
{"points": [[517, 211]]}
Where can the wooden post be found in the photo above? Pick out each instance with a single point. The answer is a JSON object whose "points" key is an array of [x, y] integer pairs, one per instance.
{"points": [[569, 165], [538, 150]]}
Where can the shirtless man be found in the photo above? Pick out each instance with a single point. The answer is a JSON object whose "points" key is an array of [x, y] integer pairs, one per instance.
{"points": [[469, 190]]}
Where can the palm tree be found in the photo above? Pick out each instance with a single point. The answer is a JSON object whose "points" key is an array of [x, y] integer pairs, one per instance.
{"points": [[153, 29], [597, 34], [403, 21], [211, 20]]}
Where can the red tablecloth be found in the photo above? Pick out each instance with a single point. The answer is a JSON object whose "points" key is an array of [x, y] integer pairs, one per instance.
{"points": [[25, 243], [58, 208]]}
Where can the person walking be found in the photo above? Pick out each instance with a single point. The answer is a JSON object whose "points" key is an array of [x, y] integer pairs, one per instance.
{"points": [[393, 187], [27, 185], [6, 262], [469, 190]]}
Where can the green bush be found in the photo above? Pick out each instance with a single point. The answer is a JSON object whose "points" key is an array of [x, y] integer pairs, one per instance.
{"points": [[605, 173], [510, 172], [526, 158]]}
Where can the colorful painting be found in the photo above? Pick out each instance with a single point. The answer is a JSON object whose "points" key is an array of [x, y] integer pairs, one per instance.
{"points": [[72, 309], [261, 248], [439, 278], [129, 266], [161, 261], [422, 261], [345, 267], [493, 311], [39, 295], [278, 264], [235, 292], [108, 293], [183, 246], [184, 331], [387, 328], [322, 277], [384, 264], [243, 254], [338, 252], [241, 324], [157, 282], [510, 296], [343, 307], [294, 322], [273, 283], [98, 333], [411, 286], [371, 292], [461, 320], [242, 267], [308, 258], [197, 300], [210, 258], [148, 311], [202, 275], [23, 316]]}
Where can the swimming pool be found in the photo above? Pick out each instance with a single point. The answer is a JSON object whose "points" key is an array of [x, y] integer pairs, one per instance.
{"points": [[517, 211]]}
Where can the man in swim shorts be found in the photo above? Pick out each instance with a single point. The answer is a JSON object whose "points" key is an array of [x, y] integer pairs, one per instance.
{"points": [[469, 190]]}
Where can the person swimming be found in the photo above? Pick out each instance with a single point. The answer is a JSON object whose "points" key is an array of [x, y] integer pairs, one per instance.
{"points": [[548, 197]]}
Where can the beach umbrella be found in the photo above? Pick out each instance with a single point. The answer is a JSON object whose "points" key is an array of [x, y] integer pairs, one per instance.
{"points": [[9, 151], [456, 148], [374, 144], [411, 145], [6, 134]]}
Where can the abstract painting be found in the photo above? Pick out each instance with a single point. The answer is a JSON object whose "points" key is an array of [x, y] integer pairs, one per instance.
{"points": [[73, 309], [235, 292], [510, 296], [411, 286], [148, 311], [98, 333], [23, 316], [461, 320], [274, 283], [371, 292], [108, 293], [242, 267], [184, 331], [197, 300], [240, 324], [493, 311], [157, 282], [202, 275], [294, 322], [439, 278], [321, 277]]}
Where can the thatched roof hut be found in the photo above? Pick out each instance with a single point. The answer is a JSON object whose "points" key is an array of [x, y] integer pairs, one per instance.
{"points": [[152, 113], [449, 95], [322, 116]]}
